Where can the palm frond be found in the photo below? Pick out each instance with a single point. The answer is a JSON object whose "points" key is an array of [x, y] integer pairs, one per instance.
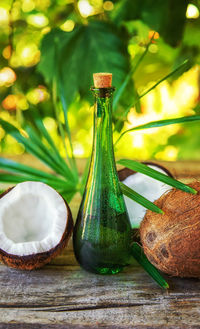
{"points": [[140, 257], [29, 145], [32, 173], [180, 67], [120, 91], [130, 193], [52, 151], [143, 169], [160, 123]]}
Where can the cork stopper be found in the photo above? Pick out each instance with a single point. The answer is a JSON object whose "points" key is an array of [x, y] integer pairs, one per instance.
{"points": [[102, 80]]}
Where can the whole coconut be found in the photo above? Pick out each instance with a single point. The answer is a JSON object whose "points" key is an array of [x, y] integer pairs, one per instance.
{"points": [[171, 241]]}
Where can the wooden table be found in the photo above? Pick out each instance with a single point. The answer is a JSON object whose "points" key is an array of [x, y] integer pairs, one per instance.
{"points": [[61, 295]]}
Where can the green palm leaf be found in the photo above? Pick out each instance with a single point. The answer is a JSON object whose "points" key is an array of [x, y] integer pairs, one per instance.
{"points": [[12, 179], [139, 199], [140, 257], [44, 150], [143, 169], [67, 128], [60, 166], [15, 179], [43, 131], [29, 145], [32, 173], [34, 145], [124, 84], [160, 123], [180, 67]]}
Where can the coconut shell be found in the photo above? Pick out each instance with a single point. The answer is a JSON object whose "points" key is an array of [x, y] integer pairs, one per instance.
{"points": [[34, 261], [171, 241]]}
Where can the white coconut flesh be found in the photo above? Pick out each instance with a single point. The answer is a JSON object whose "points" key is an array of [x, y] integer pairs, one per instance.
{"points": [[33, 218], [149, 188]]}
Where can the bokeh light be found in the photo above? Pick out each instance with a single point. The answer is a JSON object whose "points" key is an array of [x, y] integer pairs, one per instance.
{"points": [[170, 153], [4, 16], [37, 95], [38, 20], [50, 124], [7, 51], [108, 5], [68, 25], [13, 148], [192, 11], [153, 34], [78, 150], [10, 103], [153, 48], [7, 77], [85, 8], [28, 55], [14, 102], [28, 5]]}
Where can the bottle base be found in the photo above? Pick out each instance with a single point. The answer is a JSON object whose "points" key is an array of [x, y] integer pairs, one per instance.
{"points": [[104, 270], [107, 270]]}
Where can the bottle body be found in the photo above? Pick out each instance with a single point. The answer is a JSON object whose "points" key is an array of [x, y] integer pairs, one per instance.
{"points": [[102, 233]]}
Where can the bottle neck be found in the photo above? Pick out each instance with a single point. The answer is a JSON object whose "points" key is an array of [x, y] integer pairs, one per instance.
{"points": [[102, 138]]}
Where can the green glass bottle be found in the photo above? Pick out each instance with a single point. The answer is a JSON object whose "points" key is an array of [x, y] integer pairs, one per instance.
{"points": [[102, 233]]}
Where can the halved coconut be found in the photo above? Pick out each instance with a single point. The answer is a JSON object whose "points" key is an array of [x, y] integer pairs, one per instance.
{"points": [[148, 187], [35, 225]]}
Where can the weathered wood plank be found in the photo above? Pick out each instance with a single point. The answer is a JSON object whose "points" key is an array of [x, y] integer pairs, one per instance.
{"points": [[91, 326], [147, 316], [70, 295]]}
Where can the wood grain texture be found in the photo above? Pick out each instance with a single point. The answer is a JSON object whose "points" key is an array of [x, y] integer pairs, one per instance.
{"points": [[61, 295]]}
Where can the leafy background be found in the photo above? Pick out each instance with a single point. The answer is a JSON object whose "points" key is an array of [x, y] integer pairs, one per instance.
{"points": [[51, 48]]}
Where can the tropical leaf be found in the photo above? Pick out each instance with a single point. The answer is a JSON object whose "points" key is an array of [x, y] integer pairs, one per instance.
{"points": [[32, 173], [54, 151], [61, 94], [126, 89], [143, 169], [82, 52], [182, 67], [160, 123], [15, 179], [36, 140], [166, 17], [47, 61], [12, 179], [139, 198], [34, 145], [68, 196], [44, 133], [30, 146], [58, 99], [140, 257]]}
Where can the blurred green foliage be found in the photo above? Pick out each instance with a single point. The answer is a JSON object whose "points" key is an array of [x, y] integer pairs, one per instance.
{"points": [[59, 44]]}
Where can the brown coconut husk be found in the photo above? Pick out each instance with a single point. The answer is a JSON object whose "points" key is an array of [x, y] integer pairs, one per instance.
{"points": [[34, 261], [171, 241]]}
